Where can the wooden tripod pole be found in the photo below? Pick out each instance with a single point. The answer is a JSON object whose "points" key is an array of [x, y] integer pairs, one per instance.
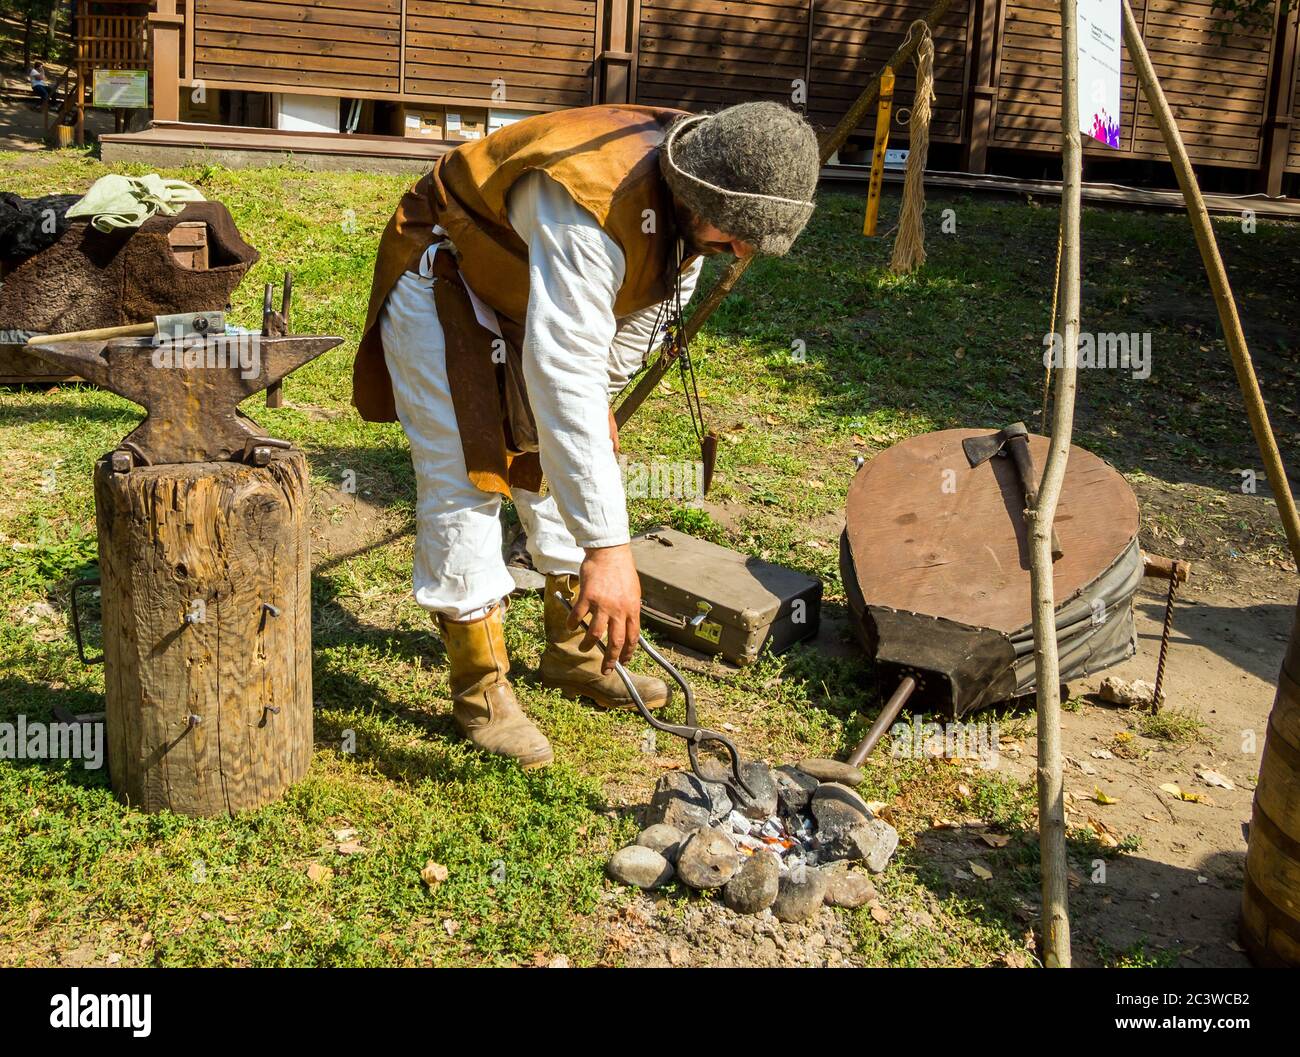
{"points": [[1051, 785], [830, 143], [1256, 412]]}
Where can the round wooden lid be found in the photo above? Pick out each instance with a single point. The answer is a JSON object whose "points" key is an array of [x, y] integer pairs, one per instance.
{"points": [[931, 534]]}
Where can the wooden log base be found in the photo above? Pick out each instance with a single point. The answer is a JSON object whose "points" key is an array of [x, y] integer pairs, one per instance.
{"points": [[206, 594], [1270, 905]]}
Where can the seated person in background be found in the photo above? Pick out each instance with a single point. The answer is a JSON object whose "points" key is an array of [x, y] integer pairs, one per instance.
{"points": [[41, 88]]}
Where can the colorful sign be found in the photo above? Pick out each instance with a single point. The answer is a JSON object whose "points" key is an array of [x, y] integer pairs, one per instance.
{"points": [[1099, 42], [122, 88]]}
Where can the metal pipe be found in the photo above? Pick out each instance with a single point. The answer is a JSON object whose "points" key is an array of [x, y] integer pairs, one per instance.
{"points": [[883, 721]]}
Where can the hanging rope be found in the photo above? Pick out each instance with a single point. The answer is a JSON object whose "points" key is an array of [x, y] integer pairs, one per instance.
{"points": [[909, 246]]}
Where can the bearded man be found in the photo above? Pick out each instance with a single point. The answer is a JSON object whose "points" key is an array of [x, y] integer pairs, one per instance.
{"points": [[518, 286]]}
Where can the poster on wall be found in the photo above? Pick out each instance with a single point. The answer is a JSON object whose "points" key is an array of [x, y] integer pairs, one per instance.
{"points": [[121, 88], [1098, 36]]}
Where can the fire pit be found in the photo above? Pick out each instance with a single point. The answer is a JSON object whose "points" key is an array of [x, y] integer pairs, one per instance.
{"points": [[790, 848]]}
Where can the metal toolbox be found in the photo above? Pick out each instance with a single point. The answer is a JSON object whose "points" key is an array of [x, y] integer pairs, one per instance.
{"points": [[719, 601]]}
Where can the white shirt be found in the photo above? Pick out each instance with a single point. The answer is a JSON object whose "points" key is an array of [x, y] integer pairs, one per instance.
{"points": [[576, 354]]}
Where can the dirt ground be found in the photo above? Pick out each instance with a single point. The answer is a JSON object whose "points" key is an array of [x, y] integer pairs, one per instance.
{"points": [[1178, 894], [1175, 892], [23, 128]]}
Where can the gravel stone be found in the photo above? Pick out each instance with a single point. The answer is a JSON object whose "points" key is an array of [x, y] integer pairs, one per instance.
{"points": [[850, 889], [663, 838], [837, 809], [683, 801], [794, 789], [825, 770], [759, 778], [754, 887], [707, 860], [641, 867], [800, 895]]}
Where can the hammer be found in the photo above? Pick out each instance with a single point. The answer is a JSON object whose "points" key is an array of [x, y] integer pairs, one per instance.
{"points": [[1015, 438], [180, 325]]}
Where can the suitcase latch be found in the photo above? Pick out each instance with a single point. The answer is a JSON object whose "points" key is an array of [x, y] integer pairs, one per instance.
{"points": [[709, 630]]}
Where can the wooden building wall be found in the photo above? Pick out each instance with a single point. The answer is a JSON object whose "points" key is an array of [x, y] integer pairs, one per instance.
{"points": [[341, 46], [1293, 151], [767, 50], [1217, 86], [1287, 125], [997, 62], [852, 39], [704, 54], [530, 52], [524, 54]]}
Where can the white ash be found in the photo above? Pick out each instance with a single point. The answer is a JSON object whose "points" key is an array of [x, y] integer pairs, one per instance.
{"points": [[791, 842]]}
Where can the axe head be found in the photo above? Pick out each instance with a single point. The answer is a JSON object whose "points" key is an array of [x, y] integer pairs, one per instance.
{"points": [[981, 449]]}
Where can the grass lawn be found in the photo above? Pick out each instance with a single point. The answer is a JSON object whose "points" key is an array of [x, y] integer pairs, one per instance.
{"points": [[84, 880]]}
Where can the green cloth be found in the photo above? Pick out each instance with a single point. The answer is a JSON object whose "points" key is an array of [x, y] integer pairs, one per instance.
{"points": [[128, 201]]}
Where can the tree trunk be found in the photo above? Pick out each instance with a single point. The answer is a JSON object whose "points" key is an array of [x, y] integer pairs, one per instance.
{"points": [[1051, 802], [52, 30], [206, 596]]}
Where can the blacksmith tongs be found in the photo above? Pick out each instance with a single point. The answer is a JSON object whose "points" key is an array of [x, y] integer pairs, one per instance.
{"points": [[690, 732]]}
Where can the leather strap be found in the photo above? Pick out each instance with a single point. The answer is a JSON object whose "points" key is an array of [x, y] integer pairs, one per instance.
{"points": [[477, 389]]}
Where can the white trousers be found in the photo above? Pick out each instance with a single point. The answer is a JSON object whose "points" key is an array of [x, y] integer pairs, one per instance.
{"points": [[459, 570]]}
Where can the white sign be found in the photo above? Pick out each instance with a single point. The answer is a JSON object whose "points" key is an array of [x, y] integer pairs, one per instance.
{"points": [[122, 88], [1099, 101], [896, 159]]}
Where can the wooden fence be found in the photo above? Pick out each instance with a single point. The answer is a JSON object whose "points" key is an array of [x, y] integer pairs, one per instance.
{"points": [[1235, 90], [109, 35], [112, 36]]}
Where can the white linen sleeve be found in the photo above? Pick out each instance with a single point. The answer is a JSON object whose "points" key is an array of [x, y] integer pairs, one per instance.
{"points": [[574, 271], [631, 345]]}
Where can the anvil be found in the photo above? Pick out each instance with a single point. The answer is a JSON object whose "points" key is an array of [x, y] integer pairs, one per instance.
{"points": [[191, 389]]}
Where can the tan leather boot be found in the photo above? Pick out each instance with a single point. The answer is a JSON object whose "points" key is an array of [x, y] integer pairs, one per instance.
{"points": [[566, 668], [482, 701]]}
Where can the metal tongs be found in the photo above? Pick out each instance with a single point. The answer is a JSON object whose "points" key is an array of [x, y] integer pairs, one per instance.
{"points": [[690, 732]]}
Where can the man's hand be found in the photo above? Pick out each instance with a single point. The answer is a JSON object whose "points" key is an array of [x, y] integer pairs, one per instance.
{"points": [[613, 431], [609, 593]]}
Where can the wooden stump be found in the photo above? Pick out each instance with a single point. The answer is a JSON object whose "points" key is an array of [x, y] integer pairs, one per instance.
{"points": [[1270, 905], [206, 596]]}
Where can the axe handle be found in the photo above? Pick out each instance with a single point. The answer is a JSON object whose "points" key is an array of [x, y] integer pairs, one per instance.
{"points": [[133, 330], [1024, 461]]}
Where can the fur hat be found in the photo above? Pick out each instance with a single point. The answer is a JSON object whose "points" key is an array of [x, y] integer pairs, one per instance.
{"points": [[749, 170]]}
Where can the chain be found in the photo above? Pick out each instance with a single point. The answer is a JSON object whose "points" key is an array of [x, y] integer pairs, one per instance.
{"points": [[1164, 641]]}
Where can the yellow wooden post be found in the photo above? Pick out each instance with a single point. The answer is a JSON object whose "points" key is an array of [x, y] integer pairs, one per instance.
{"points": [[878, 154]]}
